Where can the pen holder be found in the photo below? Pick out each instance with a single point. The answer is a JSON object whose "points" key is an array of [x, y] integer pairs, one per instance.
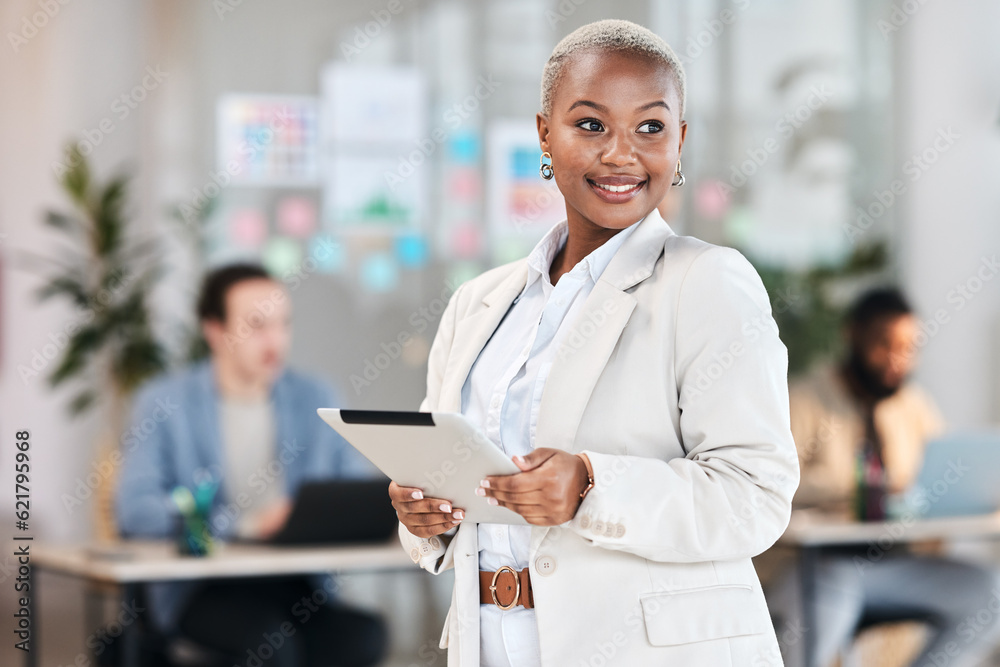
{"points": [[193, 535]]}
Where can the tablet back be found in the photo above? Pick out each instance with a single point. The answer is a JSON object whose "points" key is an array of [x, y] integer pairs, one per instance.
{"points": [[441, 453]]}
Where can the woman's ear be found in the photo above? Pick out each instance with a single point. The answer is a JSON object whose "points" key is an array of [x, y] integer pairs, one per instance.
{"points": [[543, 132], [684, 131]]}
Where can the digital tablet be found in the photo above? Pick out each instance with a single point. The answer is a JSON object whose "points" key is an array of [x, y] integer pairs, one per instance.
{"points": [[441, 453]]}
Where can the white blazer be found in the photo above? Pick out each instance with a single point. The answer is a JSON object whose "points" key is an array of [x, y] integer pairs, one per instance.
{"points": [[673, 381]]}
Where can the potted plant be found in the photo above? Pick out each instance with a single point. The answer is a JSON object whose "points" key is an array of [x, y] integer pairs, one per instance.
{"points": [[107, 274]]}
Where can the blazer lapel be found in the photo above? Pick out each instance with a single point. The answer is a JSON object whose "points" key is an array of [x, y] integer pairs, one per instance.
{"points": [[579, 361], [593, 335], [592, 338], [473, 332]]}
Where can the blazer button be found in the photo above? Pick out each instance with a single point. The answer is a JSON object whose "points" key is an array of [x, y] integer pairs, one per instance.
{"points": [[584, 522], [414, 555], [619, 530], [545, 565], [435, 543], [598, 528], [425, 548], [610, 530]]}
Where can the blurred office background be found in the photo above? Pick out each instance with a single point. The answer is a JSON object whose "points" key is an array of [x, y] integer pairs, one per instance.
{"points": [[385, 152]]}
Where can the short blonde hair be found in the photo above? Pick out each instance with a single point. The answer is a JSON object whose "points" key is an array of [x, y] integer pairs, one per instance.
{"points": [[610, 35]]}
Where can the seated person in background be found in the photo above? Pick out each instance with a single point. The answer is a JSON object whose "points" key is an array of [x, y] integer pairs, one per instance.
{"points": [[867, 398], [865, 411], [245, 421]]}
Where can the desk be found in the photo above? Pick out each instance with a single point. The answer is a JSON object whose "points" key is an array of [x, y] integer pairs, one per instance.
{"points": [[131, 563], [811, 531]]}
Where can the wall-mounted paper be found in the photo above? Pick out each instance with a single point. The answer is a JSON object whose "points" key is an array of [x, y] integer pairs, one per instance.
{"points": [[467, 240], [296, 216], [461, 272], [519, 202], [328, 253], [365, 105], [377, 150], [247, 227], [379, 272], [510, 249], [282, 256], [357, 196], [463, 184], [464, 147], [267, 140], [412, 251]]}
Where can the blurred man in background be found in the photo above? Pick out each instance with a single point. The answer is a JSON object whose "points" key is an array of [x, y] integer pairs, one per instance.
{"points": [[860, 428], [866, 398], [245, 422]]}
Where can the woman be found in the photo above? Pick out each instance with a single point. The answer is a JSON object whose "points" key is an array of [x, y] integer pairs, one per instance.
{"points": [[637, 380]]}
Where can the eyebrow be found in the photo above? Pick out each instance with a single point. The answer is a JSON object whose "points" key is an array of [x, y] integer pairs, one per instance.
{"points": [[657, 103], [604, 109]]}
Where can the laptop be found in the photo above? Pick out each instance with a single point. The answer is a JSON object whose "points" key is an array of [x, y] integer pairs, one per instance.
{"points": [[339, 511], [959, 476]]}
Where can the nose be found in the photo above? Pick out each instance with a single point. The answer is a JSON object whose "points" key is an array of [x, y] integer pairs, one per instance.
{"points": [[619, 151]]}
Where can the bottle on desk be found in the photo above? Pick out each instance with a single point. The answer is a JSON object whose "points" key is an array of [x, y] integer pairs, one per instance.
{"points": [[870, 478]]}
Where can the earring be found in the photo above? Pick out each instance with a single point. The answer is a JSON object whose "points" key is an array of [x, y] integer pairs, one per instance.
{"points": [[545, 168], [678, 175]]}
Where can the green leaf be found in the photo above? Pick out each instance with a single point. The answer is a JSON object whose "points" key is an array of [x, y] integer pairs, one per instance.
{"points": [[128, 312], [868, 258], [76, 180], [113, 196], [139, 359], [147, 253], [61, 221], [70, 365], [109, 224], [81, 346], [67, 285], [82, 402]]}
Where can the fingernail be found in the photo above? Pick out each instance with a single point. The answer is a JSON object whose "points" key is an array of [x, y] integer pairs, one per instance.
{"points": [[485, 483], [417, 495], [445, 507], [459, 515], [518, 459], [480, 491], [492, 501], [456, 522]]}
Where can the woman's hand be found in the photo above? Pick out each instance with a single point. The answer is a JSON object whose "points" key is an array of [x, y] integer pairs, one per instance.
{"points": [[547, 490], [424, 517]]}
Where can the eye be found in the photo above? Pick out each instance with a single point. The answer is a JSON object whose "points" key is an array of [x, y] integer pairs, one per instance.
{"points": [[590, 125], [652, 127]]}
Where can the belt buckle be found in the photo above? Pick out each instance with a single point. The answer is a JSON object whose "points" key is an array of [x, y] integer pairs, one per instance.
{"points": [[517, 590]]}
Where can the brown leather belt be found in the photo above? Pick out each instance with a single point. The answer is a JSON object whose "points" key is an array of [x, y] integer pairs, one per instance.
{"points": [[506, 588]]}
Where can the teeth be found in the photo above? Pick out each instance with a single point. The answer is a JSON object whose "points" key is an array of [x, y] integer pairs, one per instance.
{"points": [[617, 188]]}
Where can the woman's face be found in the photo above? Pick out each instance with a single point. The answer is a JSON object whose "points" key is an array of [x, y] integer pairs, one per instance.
{"points": [[615, 136]]}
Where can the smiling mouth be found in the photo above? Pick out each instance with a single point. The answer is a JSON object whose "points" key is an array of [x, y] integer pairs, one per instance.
{"points": [[617, 193], [619, 188]]}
